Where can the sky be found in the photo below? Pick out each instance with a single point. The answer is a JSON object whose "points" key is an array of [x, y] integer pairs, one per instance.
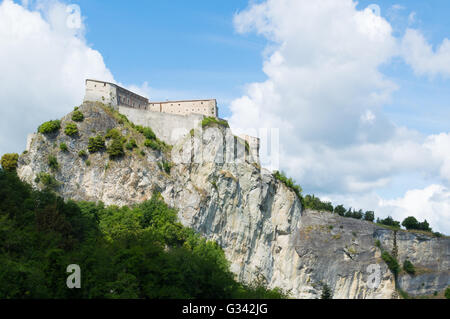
{"points": [[358, 90]]}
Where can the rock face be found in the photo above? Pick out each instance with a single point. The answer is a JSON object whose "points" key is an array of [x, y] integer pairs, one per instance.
{"points": [[257, 220]]}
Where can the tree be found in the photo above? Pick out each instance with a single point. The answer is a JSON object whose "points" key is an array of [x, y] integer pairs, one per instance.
{"points": [[389, 221], [369, 216], [340, 210], [424, 226], [326, 292], [410, 223], [9, 162], [447, 292]]}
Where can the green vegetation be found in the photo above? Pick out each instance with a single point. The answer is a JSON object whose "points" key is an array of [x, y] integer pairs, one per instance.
{"points": [[77, 116], [124, 252], [409, 267], [131, 144], [53, 162], [151, 140], [96, 144], [391, 262], [115, 149], [165, 166], [378, 243], [9, 162], [71, 129], [210, 121], [289, 182], [412, 223], [447, 292], [312, 202], [326, 292], [369, 216], [146, 131], [88, 163], [82, 154], [389, 221], [63, 147], [49, 127], [47, 180]]}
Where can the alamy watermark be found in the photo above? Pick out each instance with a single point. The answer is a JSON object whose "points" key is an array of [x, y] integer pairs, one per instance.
{"points": [[74, 279]]}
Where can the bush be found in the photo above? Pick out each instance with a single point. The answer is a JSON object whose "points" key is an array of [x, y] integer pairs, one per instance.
{"points": [[53, 162], [47, 180], [326, 292], [391, 262], [153, 144], [165, 166], [49, 127], [289, 182], [96, 144], [82, 153], [409, 267], [71, 129], [389, 221], [63, 147], [209, 121], [447, 292], [77, 116], [113, 134], [146, 131], [369, 216], [115, 150], [340, 210], [131, 144], [315, 203], [9, 162]]}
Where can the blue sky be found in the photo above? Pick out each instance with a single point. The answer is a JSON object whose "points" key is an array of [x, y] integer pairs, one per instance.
{"points": [[188, 46], [362, 101]]}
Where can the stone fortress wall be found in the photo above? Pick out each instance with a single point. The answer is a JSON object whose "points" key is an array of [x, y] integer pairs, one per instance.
{"points": [[170, 120]]}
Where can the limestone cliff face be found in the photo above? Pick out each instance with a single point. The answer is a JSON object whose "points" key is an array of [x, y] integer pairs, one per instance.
{"points": [[257, 220]]}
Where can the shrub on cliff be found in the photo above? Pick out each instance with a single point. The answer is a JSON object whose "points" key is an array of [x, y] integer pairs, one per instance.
{"points": [[447, 292], [71, 129], [289, 182], [63, 147], [147, 132], [96, 144], [313, 202], [115, 149], [209, 121], [409, 267], [9, 162], [53, 162], [391, 262], [77, 116], [49, 127]]}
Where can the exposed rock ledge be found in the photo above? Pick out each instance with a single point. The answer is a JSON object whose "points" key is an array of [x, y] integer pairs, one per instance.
{"points": [[257, 220]]}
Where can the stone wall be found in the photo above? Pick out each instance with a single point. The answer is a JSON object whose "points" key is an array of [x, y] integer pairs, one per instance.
{"points": [[204, 107], [168, 127]]}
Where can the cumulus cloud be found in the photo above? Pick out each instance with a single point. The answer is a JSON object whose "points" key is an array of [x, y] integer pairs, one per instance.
{"points": [[44, 61], [419, 54], [326, 93]]}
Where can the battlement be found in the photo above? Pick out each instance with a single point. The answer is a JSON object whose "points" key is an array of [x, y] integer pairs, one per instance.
{"points": [[114, 95]]}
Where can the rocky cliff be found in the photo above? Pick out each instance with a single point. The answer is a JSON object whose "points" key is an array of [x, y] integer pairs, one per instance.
{"points": [[257, 220]]}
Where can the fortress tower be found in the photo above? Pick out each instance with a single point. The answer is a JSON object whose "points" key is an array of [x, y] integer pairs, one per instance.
{"points": [[170, 120], [116, 96]]}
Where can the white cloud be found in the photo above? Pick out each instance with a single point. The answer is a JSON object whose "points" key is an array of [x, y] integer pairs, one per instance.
{"points": [[419, 54], [44, 63], [431, 203], [325, 92]]}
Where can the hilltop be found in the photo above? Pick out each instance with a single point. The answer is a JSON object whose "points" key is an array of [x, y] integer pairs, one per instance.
{"points": [[256, 218]]}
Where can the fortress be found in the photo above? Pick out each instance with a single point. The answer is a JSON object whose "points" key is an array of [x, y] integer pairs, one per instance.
{"points": [[170, 120]]}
